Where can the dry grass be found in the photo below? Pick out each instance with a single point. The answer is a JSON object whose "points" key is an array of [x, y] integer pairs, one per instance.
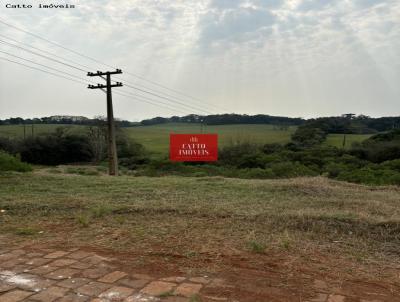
{"points": [[190, 216]]}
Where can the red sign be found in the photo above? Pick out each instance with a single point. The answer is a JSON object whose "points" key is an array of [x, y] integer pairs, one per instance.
{"points": [[193, 147]]}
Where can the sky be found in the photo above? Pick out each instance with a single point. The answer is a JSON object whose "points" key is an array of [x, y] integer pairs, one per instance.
{"points": [[298, 58]]}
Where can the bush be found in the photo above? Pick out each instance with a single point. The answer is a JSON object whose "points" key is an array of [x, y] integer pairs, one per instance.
{"points": [[55, 149], [371, 175], [309, 136], [379, 148], [10, 146], [131, 154], [11, 163], [242, 155], [291, 169]]}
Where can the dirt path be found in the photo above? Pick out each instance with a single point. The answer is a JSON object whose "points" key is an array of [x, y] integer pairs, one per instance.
{"points": [[39, 273]]}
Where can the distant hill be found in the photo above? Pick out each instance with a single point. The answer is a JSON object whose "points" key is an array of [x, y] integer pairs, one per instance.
{"points": [[227, 119], [347, 123], [63, 120]]}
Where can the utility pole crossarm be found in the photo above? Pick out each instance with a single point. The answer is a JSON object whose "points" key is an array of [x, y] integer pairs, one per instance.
{"points": [[101, 73], [112, 146], [99, 86]]}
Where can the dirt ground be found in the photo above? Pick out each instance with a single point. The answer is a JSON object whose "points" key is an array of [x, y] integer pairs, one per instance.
{"points": [[233, 275]]}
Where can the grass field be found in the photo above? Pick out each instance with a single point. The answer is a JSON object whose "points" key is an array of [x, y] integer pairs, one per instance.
{"points": [[156, 138], [200, 213], [272, 240], [337, 139]]}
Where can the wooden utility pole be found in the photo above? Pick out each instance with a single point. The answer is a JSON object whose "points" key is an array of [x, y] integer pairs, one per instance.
{"points": [[112, 146]]}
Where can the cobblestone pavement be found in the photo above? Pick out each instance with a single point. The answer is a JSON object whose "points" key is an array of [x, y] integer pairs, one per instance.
{"points": [[76, 275]]}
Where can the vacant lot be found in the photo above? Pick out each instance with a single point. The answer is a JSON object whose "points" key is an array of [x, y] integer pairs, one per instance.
{"points": [[298, 227], [156, 138]]}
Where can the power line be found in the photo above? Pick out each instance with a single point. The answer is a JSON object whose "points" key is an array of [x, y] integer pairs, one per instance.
{"points": [[43, 56], [45, 71], [152, 102], [100, 62], [156, 101], [54, 43], [134, 86], [170, 89], [166, 98], [48, 52], [43, 65]]}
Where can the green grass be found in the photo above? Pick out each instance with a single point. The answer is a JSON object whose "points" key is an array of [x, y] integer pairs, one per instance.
{"points": [[337, 139], [156, 137], [188, 215], [17, 131]]}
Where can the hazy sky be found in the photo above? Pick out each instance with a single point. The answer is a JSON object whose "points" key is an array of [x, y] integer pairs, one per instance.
{"points": [[281, 57]]}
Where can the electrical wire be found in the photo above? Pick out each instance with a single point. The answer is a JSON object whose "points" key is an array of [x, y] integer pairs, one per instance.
{"points": [[100, 62], [45, 71], [127, 85]]}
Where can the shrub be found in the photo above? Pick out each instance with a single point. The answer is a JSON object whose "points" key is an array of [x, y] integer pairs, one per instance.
{"points": [[10, 146], [11, 163], [242, 155], [291, 169], [309, 136], [57, 148]]}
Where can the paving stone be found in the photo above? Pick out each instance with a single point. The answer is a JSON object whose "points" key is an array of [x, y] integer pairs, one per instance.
{"points": [[50, 294], [73, 282], [95, 259], [32, 282], [141, 298], [21, 268], [34, 255], [63, 273], [94, 273], [42, 270], [201, 280], [336, 298], [133, 283], [6, 287], [142, 276], [13, 262], [320, 298], [37, 261], [117, 293], [157, 288], [93, 288], [18, 252], [15, 296], [74, 297], [79, 255], [81, 265], [62, 262], [55, 255], [112, 277], [188, 289], [176, 279], [7, 256]]}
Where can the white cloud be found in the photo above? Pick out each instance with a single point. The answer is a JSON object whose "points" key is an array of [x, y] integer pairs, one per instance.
{"points": [[293, 57]]}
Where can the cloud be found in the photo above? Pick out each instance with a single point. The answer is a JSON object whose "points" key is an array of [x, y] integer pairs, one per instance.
{"points": [[238, 25], [294, 57]]}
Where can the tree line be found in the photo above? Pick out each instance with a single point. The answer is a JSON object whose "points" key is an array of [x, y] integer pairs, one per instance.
{"points": [[346, 123]]}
